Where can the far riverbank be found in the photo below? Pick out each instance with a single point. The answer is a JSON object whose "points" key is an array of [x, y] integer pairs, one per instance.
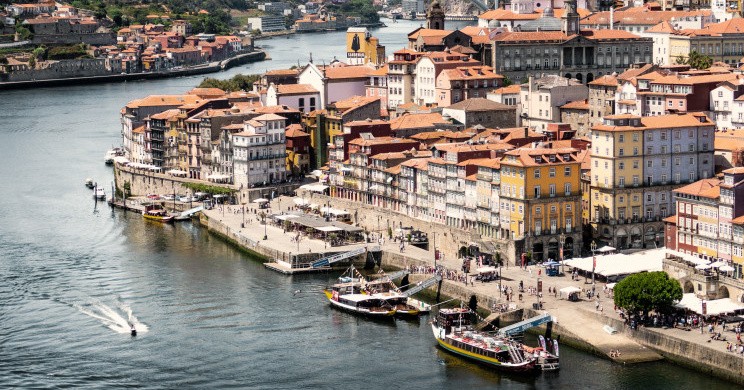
{"points": [[214, 67]]}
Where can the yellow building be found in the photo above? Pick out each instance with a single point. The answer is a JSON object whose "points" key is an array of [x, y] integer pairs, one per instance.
{"points": [[636, 162], [541, 201], [362, 48]]}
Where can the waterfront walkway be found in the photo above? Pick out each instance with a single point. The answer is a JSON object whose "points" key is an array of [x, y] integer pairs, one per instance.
{"points": [[582, 321]]}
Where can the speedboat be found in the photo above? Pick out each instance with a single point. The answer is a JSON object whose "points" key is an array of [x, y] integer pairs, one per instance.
{"points": [[132, 330], [99, 193], [89, 183]]}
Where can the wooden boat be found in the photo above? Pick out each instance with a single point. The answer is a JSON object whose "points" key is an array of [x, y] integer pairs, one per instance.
{"points": [[386, 290], [89, 183], [454, 333], [349, 296], [155, 212]]}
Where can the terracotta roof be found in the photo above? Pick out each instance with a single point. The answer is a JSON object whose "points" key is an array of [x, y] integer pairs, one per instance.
{"points": [[729, 139], [207, 92], [283, 72], [526, 156], [368, 122], [347, 72], [421, 164], [734, 171], [479, 104], [269, 117], [275, 109], [514, 88], [606, 80], [692, 80], [663, 27], [524, 36], [738, 220], [139, 130], [166, 115], [163, 100], [388, 156], [295, 89], [577, 105], [658, 122], [639, 16], [701, 188], [295, 131], [354, 102], [670, 219], [382, 141], [427, 32], [416, 121], [471, 73], [731, 26]]}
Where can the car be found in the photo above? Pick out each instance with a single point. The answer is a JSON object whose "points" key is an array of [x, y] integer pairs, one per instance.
{"points": [[184, 198], [168, 197], [153, 196]]}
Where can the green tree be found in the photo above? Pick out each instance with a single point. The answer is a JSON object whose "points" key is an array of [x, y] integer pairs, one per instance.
{"points": [[647, 291], [32, 62], [23, 33], [696, 60]]}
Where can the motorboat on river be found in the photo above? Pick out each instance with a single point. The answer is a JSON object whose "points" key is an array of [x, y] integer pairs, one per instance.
{"points": [[111, 154], [99, 193], [89, 183], [453, 331]]}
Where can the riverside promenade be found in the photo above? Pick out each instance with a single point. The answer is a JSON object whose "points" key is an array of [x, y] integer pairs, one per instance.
{"points": [[579, 324]]}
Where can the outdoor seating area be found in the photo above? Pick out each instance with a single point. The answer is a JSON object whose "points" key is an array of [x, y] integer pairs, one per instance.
{"points": [[315, 227], [613, 267]]}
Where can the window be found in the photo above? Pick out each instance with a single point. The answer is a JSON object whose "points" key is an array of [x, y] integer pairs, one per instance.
{"points": [[551, 172], [537, 173], [621, 138], [567, 187], [537, 191], [567, 171], [622, 181], [552, 190], [621, 165]]}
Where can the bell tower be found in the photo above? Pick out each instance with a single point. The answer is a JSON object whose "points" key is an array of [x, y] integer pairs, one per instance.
{"points": [[435, 16], [570, 18]]}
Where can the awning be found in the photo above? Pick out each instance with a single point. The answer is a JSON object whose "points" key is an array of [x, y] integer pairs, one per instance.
{"points": [[316, 187], [177, 172], [284, 217], [620, 264], [261, 200], [714, 307], [726, 268], [300, 202], [328, 229], [482, 270], [605, 249], [703, 266]]}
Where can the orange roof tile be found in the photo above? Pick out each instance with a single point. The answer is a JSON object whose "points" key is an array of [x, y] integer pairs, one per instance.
{"points": [[295, 89], [577, 105], [164, 100], [606, 80], [700, 187], [514, 88], [347, 72]]}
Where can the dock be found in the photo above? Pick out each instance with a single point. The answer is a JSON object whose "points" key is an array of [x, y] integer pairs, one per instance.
{"points": [[287, 269]]}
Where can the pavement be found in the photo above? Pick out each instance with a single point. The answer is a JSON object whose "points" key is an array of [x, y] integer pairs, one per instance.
{"points": [[581, 318]]}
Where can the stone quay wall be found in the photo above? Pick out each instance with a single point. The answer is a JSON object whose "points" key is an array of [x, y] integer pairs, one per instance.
{"points": [[447, 239], [143, 182], [698, 357]]}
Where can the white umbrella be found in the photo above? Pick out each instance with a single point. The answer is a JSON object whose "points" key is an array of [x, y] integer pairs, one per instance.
{"points": [[260, 200], [702, 266], [698, 261], [726, 268], [717, 264]]}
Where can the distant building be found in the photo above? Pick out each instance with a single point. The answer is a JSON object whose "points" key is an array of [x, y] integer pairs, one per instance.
{"points": [[481, 111], [267, 23], [362, 48], [259, 151]]}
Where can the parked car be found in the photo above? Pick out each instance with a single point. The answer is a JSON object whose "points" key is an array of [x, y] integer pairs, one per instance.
{"points": [[168, 197]]}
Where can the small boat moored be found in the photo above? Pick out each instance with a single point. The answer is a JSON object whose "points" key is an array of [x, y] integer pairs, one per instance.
{"points": [[111, 154], [89, 183], [99, 193], [155, 212], [349, 296]]}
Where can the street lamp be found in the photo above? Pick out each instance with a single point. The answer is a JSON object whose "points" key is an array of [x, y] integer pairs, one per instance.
{"points": [[263, 217], [563, 239], [593, 247], [243, 224]]}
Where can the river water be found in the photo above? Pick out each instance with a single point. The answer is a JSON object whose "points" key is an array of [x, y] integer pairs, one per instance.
{"points": [[73, 273]]}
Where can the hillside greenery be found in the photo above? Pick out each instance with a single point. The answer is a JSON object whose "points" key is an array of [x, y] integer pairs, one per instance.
{"points": [[238, 82]]}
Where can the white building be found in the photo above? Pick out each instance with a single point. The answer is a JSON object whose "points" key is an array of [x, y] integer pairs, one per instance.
{"points": [[259, 151], [303, 97]]}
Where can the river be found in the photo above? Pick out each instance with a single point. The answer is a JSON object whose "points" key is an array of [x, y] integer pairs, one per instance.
{"points": [[74, 272]]}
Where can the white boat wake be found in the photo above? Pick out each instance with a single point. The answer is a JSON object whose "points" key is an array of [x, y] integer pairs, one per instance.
{"points": [[117, 319]]}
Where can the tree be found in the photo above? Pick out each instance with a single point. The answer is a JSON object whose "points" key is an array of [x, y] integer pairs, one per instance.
{"points": [[696, 60], [647, 291]]}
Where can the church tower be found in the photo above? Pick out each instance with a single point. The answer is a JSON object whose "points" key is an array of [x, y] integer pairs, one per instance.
{"points": [[435, 16], [570, 18]]}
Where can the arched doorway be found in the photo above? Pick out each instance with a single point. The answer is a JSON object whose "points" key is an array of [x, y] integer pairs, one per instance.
{"points": [[649, 238], [580, 77], [723, 292], [568, 248], [635, 238], [568, 75], [622, 239], [589, 78], [463, 251], [688, 287], [553, 249], [537, 251]]}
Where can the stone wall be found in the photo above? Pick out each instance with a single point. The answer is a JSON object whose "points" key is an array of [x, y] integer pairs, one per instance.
{"points": [[95, 39], [63, 69], [143, 182], [447, 239]]}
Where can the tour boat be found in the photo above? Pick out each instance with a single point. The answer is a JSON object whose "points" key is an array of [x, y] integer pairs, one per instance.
{"points": [[155, 212], [89, 183], [386, 290], [348, 295], [99, 193], [454, 333]]}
